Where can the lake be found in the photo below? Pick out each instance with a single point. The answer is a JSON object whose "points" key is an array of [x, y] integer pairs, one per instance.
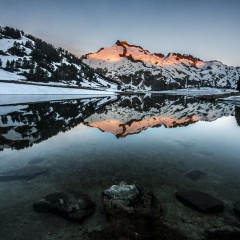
{"points": [[91, 143]]}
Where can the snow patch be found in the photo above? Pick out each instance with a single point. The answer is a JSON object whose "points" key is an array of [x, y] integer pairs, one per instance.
{"points": [[12, 88]]}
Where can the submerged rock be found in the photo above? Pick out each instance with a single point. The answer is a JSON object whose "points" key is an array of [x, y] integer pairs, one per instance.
{"points": [[236, 208], [129, 201], [74, 206], [195, 175], [223, 234], [26, 173], [36, 161], [202, 202]]}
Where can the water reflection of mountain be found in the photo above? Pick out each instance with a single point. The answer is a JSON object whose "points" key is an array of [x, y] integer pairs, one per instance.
{"points": [[135, 114], [23, 125]]}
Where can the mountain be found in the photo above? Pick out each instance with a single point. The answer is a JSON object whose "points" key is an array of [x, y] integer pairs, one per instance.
{"points": [[25, 57], [134, 67]]}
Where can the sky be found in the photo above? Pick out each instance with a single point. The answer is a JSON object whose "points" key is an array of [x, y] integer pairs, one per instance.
{"points": [[208, 29]]}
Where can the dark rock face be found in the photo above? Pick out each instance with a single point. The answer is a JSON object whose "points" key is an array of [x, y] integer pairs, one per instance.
{"points": [[202, 202], [74, 206], [236, 208], [26, 173], [195, 175], [128, 201]]}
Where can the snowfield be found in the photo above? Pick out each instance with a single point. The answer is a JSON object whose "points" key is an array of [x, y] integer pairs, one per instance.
{"points": [[13, 88], [7, 99], [5, 75], [5, 44]]}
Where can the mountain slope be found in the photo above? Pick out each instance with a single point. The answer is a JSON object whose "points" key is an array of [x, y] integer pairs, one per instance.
{"points": [[138, 68], [122, 66], [24, 57]]}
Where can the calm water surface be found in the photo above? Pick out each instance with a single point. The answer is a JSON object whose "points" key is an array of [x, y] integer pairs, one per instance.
{"points": [[92, 143]]}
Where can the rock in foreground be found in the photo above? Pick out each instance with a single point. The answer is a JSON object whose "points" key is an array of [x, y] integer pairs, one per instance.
{"points": [[223, 234], [202, 202], [236, 208], [129, 201], [74, 206]]}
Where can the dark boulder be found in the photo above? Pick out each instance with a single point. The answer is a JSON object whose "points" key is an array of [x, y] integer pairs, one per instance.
{"points": [[202, 202], [236, 208], [74, 206], [130, 201], [223, 234]]}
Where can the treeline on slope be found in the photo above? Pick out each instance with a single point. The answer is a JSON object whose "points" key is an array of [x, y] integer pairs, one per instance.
{"points": [[44, 62], [47, 57], [11, 33]]}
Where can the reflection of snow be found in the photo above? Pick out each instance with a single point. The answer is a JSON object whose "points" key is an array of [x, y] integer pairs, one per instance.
{"points": [[232, 99], [121, 129], [8, 109], [199, 92], [122, 121], [13, 135]]}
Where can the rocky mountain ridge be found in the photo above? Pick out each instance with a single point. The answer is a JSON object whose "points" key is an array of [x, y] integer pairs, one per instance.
{"points": [[135, 67], [123, 66]]}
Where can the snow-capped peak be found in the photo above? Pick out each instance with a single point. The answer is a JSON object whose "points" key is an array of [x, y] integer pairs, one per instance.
{"points": [[138, 68]]}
